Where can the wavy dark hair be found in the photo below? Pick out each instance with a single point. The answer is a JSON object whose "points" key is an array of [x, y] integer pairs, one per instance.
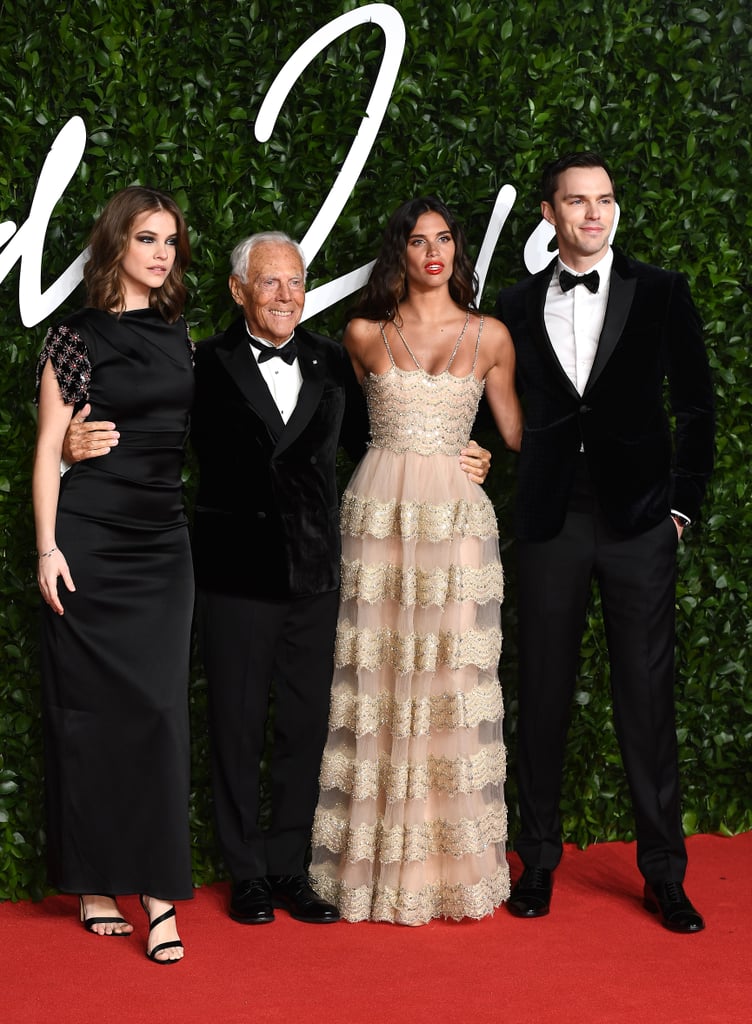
{"points": [[387, 285], [551, 172], [108, 244]]}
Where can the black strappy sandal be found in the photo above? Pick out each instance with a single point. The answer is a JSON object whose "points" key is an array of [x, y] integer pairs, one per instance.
{"points": [[151, 953], [89, 922]]}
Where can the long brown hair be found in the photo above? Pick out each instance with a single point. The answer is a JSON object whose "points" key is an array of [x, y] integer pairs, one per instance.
{"points": [[387, 285], [108, 244]]}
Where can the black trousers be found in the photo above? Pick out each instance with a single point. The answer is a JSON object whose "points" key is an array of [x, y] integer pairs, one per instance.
{"points": [[637, 581], [250, 648]]}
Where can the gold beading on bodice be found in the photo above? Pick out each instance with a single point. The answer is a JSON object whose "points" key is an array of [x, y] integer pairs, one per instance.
{"points": [[413, 411]]}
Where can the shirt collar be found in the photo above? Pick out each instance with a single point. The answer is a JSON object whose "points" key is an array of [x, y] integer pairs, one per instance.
{"points": [[603, 266], [265, 341]]}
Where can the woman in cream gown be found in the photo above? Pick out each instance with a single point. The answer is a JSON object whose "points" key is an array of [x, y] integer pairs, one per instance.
{"points": [[411, 822]]}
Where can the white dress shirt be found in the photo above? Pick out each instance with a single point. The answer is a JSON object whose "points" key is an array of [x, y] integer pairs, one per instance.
{"points": [[284, 382], [574, 320]]}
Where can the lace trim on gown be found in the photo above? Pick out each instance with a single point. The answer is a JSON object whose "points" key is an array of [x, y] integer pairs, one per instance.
{"points": [[402, 905], [418, 586], [413, 652], [363, 779], [416, 520], [374, 840], [362, 714]]}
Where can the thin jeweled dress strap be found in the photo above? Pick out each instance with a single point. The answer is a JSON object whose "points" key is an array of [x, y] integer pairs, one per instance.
{"points": [[457, 344], [388, 348], [477, 343]]}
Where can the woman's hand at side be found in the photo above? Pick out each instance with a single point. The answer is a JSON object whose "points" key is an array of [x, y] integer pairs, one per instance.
{"points": [[51, 566]]}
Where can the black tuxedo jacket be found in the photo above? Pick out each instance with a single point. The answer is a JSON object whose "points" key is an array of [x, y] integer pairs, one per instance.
{"points": [[650, 355], [267, 511]]}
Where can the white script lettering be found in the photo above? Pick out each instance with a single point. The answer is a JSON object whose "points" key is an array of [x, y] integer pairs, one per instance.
{"points": [[27, 243]]}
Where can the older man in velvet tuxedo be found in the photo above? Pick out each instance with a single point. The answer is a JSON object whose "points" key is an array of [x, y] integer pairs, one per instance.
{"points": [[273, 402], [605, 490]]}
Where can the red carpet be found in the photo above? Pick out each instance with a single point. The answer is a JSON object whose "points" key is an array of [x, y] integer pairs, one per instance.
{"points": [[599, 958]]}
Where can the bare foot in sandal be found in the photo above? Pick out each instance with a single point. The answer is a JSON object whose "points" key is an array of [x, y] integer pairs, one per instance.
{"points": [[164, 946], [100, 916]]}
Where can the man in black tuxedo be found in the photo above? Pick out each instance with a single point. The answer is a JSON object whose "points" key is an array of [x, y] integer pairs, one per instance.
{"points": [[273, 402], [605, 490]]}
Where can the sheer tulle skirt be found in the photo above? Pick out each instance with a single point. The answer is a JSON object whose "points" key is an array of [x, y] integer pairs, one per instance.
{"points": [[411, 822]]}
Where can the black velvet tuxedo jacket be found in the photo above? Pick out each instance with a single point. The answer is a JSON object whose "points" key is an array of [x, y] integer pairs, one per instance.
{"points": [[650, 358], [267, 511]]}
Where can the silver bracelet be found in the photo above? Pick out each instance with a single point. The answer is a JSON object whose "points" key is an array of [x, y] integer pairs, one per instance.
{"points": [[46, 554]]}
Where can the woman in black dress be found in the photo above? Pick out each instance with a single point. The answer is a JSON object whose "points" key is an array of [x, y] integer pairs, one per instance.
{"points": [[116, 578]]}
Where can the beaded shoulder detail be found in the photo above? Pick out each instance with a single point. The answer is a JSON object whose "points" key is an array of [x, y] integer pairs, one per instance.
{"points": [[69, 356]]}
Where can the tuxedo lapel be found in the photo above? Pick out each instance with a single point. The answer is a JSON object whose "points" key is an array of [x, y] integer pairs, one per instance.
{"points": [[536, 304], [237, 359], [620, 295], [311, 390]]}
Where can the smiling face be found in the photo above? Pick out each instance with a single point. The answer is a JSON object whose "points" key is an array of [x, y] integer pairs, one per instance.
{"points": [[149, 257], [582, 212], [273, 294], [429, 254]]}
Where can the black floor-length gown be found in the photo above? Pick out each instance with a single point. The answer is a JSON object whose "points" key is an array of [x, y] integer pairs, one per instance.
{"points": [[115, 665]]}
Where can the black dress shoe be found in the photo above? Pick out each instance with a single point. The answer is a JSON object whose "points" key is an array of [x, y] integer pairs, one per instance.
{"points": [[669, 901], [531, 896], [294, 894], [251, 902]]}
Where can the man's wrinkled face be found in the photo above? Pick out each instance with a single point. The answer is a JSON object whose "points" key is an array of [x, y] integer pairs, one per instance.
{"points": [[273, 294]]}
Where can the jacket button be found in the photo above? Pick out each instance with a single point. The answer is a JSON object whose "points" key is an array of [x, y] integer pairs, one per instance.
{"points": [[261, 515], [314, 460], [584, 408]]}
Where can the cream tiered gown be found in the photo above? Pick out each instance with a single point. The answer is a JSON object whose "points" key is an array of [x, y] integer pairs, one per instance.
{"points": [[411, 822]]}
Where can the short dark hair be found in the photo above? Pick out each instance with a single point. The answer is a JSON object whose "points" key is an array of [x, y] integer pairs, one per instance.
{"points": [[551, 172]]}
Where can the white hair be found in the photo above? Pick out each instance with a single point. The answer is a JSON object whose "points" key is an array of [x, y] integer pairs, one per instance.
{"points": [[242, 251]]}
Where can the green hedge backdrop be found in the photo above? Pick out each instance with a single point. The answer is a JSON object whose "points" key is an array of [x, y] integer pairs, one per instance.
{"points": [[487, 91]]}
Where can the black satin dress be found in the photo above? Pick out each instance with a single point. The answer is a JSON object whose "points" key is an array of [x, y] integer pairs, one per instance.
{"points": [[115, 665]]}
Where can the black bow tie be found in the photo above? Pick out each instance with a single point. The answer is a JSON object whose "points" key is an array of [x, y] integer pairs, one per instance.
{"points": [[288, 351], [568, 281]]}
